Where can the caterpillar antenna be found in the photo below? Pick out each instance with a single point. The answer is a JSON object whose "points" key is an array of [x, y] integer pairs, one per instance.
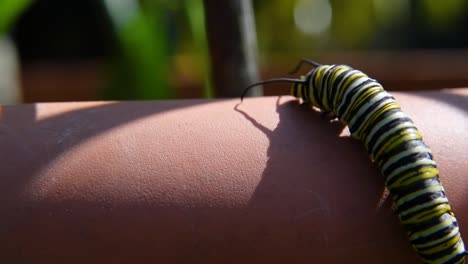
{"points": [[301, 62], [275, 80]]}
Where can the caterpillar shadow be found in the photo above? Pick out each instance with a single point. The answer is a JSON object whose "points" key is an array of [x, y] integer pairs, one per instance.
{"points": [[319, 190]]}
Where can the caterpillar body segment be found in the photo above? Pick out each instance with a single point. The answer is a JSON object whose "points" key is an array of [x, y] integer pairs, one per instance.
{"points": [[395, 145]]}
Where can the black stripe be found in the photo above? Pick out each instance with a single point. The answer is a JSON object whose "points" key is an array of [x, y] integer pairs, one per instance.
{"points": [[343, 89], [443, 253], [335, 87], [347, 100], [404, 145], [364, 115], [410, 158], [420, 227], [354, 104], [304, 87], [325, 83], [421, 212], [401, 191], [388, 126], [317, 88], [457, 257], [310, 84], [404, 172], [434, 236], [376, 121], [423, 198], [294, 90], [323, 86], [446, 238], [330, 86]]}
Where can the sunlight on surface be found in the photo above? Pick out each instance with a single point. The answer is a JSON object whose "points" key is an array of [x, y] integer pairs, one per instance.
{"points": [[88, 141], [45, 111], [313, 16]]}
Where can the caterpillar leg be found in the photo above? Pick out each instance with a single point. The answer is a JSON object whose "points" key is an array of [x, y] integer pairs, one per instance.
{"points": [[328, 114], [304, 104], [301, 62]]}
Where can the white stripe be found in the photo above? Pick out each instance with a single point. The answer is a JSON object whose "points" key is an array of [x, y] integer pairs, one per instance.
{"points": [[353, 85], [367, 106], [355, 96], [395, 172], [340, 86], [416, 194], [325, 91], [385, 135], [436, 228], [397, 157], [426, 246], [385, 121], [323, 69], [415, 208]]}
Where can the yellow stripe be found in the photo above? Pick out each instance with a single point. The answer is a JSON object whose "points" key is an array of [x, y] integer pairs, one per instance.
{"points": [[300, 88], [441, 247], [315, 81], [398, 170], [367, 109], [388, 107], [364, 96], [395, 142], [444, 259], [344, 86], [403, 154], [353, 77], [415, 194], [424, 216], [422, 174], [391, 133], [437, 241], [337, 94], [353, 100], [397, 183], [438, 201], [429, 231]]}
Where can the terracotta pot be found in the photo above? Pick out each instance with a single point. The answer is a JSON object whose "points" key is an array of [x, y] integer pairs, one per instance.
{"points": [[196, 181]]}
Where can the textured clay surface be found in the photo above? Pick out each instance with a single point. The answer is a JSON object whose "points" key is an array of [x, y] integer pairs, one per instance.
{"points": [[201, 181]]}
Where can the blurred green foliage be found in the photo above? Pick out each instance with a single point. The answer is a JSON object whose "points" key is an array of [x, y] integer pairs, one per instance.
{"points": [[196, 15], [355, 29], [152, 34], [361, 25], [9, 11], [444, 14], [141, 63]]}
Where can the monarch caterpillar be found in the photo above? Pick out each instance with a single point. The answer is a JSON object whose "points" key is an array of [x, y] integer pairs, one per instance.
{"points": [[395, 145]]}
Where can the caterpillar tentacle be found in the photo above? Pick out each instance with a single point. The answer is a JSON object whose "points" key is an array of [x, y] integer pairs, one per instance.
{"points": [[275, 80], [301, 62]]}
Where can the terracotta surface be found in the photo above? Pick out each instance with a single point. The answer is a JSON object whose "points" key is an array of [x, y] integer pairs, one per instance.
{"points": [[197, 181]]}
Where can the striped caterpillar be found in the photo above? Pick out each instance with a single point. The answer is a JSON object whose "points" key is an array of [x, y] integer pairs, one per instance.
{"points": [[395, 145]]}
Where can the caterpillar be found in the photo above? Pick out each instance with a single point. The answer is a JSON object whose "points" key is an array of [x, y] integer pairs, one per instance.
{"points": [[395, 145]]}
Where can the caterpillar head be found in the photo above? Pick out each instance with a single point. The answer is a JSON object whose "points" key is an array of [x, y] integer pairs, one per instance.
{"points": [[297, 88]]}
